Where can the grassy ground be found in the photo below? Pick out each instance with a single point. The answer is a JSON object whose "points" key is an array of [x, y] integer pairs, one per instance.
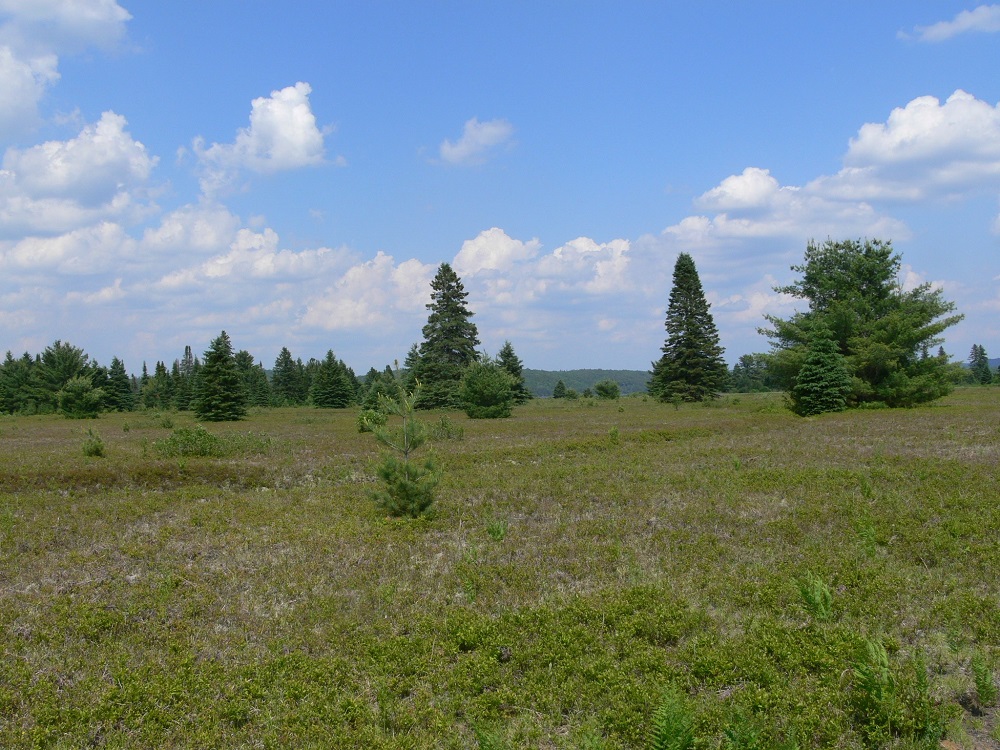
{"points": [[781, 582]]}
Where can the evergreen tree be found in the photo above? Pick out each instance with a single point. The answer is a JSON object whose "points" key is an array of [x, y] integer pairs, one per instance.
{"points": [[822, 383], [691, 366], [509, 361], [487, 390], [254, 379], [220, 394], [380, 386], [408, 376], [79, 399], [18, 391], [182, 374], [560, 390], [58, 364], [750, 374], [854, 294], [285, 380], [118, 390], [449, 345], [332, 386], [158, 391], [979, 365]]}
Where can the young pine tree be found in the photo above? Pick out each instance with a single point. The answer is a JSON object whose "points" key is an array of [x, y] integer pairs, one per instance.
{"points": [[509, 361], [691, 366], [409, 483], [220, 395]]}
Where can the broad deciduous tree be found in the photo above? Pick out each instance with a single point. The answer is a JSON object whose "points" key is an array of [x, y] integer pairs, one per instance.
{"points": [[883, 331]]}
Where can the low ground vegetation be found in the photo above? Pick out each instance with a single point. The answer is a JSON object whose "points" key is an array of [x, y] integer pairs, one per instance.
{"points": [[596, 574]]}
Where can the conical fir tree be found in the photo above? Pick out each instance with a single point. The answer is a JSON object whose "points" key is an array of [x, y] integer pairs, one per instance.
{"points": [[691, 367], [509, 361], [823, 382], [449, 345], [220, 394]]}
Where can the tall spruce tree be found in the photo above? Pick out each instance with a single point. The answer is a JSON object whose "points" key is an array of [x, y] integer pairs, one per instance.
{"points": [[449, 345], [118, 389], [285, 380], [509, 361], [220, 395], [979, 365], [333, 385], [691, 367]]}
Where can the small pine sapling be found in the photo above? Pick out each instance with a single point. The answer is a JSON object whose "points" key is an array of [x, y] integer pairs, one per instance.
{"points": [[409, 484]]}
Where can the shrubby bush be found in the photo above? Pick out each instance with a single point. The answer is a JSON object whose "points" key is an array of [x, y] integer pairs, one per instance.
{"points": [[487, 390]]}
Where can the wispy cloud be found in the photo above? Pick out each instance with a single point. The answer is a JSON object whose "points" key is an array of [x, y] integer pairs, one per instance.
{"points": [[985, 18], [478, 141]]}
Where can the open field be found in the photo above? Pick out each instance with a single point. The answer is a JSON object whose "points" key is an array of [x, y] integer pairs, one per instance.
{"points": [[584, 557]]}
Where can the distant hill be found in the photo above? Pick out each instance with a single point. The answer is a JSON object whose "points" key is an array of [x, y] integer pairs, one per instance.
{"points": [[541, 382]]}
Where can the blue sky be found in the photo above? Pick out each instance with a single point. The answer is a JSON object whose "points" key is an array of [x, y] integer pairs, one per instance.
{"points": [[294, 173]]}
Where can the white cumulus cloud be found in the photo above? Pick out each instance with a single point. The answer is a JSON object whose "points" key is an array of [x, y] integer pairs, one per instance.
{"points": [[985, 18], [493, 250], [80, 252], [282, 135], [33, 33], [90, 169], [371, 295], [923, 149], [478, 140], [59, 186]]}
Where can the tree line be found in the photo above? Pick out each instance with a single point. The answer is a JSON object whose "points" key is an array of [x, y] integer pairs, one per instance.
{"points": [[863, 339]]}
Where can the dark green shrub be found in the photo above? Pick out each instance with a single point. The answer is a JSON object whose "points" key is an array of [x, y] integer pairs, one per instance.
{"points": [[93, 446], [487, 390], [78, 399], [607, 390]]}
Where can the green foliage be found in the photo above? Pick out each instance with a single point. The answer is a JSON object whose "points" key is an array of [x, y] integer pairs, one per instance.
{"points": [[883, 332], [93, 446], [449, 345], [487, 390], [118, 389], [289, 384], [692, 364], [78, 398], [560, 390], [409, 484], [509, 361], [982, 676], [671, 726], [497, 529], [489, 739], [822, 383], [752, 374], [979, 365], [816, 597], [607, 390], [445, 429], [185, 442], [220, 394], [369, 419], [333, 385], [190, 441]]}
